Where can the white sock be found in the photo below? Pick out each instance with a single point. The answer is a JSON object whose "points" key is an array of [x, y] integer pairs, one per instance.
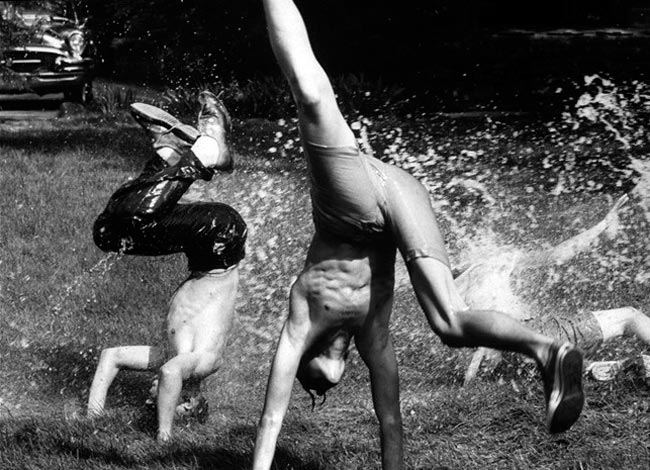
{"points": [[170, 155], [207, 150]]}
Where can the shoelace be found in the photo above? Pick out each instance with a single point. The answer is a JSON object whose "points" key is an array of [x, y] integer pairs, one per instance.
{"points": [[167, 131]]}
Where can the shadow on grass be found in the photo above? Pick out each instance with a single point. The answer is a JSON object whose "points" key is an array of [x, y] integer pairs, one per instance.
{"points": [[70, 370], [217, 459], [230, 452], [169, 457]]}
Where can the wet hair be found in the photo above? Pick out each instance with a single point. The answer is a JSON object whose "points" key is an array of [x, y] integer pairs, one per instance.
{"points": [[319, 386], [313, 385]]}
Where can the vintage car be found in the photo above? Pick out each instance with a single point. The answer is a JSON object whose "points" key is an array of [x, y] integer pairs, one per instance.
{"points": [[46, 48]]}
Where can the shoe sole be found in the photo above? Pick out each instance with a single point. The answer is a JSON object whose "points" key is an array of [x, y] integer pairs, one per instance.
{"points": [[164, 119], [567, 398]]}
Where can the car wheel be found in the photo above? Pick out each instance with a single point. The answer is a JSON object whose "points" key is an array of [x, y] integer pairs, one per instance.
{"points": [[82, 94]]}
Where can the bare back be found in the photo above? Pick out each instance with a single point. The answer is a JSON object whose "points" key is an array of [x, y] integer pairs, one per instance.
{"points": [[201, 312]]}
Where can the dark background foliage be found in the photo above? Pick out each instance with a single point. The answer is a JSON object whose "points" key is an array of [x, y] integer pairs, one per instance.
{"points": [[460, 51], [426, 47], [348, 36]]}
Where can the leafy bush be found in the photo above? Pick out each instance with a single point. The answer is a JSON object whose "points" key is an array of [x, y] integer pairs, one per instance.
{"points": [[10, 35], [269, 97], [111, 99], [357, 95]]}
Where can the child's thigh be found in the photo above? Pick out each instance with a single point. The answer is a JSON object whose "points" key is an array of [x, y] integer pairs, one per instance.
{"points": [[412, 220]]}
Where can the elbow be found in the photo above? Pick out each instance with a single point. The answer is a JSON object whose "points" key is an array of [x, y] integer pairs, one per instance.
{"points": [[169, 373], [391, 424], [108, 356], [452, 340], [450, 336], [449, 330], [269, 422]]}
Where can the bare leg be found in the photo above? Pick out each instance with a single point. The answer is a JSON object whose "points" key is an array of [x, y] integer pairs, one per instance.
{"points": [[559, 364], [321, 121], [419, 240], [172, 374], [111, 361], [625, 321], [459, 327], [610, 325]]}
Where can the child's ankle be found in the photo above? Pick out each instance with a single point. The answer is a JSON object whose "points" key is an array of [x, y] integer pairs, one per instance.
{"points": [[207, 151], [168, 154]]}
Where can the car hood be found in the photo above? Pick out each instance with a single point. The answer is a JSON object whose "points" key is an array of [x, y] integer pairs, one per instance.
{"points": [[50, 32], [58, 26]]}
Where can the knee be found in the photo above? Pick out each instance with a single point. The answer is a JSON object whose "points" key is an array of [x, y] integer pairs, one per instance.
{"points": [[112, 358], [637, 318], [100, 234], [169, 372], [106, 235], [449, 330], [309, 91], [391, 423], [451, 338], [636, 313]]}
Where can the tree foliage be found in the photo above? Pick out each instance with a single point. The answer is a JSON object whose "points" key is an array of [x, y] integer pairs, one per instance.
{"points": [[198, 39], [176, 38], [10, 35]]}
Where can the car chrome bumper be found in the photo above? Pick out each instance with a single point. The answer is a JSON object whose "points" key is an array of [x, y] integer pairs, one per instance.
{"points": [[43, 70]]}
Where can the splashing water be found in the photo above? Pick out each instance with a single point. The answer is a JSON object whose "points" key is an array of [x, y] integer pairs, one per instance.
{"points": [[493, 214], [498, 185], [89, 279], [430, 165], [642, 188], [618, 110]]}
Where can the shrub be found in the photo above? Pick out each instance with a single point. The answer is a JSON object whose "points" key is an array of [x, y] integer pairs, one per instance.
{"points": [[269, 97], [111, 99]]}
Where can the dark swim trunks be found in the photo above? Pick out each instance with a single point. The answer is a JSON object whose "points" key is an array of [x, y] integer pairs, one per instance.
{"points": [[359, 199], [143, 217], [581, 329]]}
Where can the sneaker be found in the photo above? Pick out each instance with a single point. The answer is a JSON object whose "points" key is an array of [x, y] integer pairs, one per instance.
{"points": [[164, 130], [214, 121], [563, 387], [605, 371], [153, 393], [195, 407]]}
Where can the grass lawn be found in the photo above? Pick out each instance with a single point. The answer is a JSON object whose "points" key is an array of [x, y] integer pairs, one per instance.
{"points": [[496, 183]]}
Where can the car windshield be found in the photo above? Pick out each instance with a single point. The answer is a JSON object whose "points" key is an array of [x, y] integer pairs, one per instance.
{"points": [[29, 12]]}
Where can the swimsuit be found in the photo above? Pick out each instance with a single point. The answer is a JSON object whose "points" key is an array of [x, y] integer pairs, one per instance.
{"points": [[581, 329], [143, 217], [359, 199]]}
